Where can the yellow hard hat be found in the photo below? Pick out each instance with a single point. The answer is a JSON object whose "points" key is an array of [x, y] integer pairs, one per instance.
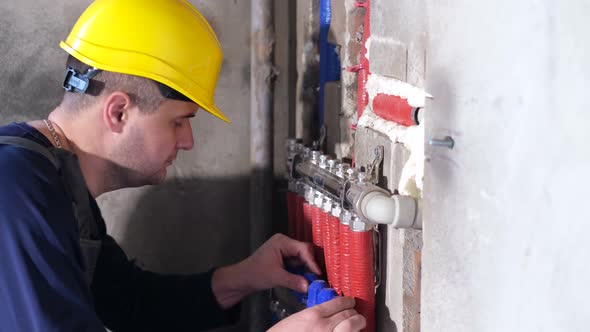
{"points": [[167, 41]]}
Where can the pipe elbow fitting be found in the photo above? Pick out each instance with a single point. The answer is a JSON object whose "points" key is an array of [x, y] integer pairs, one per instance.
{"points": [[397, 210]]}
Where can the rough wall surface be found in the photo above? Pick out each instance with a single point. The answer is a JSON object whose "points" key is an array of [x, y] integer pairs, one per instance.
{"points": [[351, 39], [308, 61], [286, 80], [198, 218], [396, 51], [505, 226], [31, 62]]}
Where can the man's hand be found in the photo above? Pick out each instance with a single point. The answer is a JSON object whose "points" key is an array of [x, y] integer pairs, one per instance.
{"points": [[336, 315], [267, 267], [263, 270]]}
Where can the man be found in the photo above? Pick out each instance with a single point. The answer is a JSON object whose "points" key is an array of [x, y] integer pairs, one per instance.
{"points": [[137, 72]]}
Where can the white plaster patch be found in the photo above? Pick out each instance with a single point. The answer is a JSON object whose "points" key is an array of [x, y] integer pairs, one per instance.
{"points": [[415, 96], [412, 177], [343, 149]]}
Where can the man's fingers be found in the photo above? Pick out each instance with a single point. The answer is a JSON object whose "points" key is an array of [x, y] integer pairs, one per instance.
{"points": [[335, 306], [302, 250], [340, 316], [351, 324], [292, 281]]}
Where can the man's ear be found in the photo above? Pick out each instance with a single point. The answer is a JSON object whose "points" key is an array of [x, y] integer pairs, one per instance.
{"points": [[116, 110]]}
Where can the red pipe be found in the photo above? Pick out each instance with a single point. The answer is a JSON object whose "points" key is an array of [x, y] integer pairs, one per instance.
{"points": [[307, 223], [391, 108], [345, 259], [334, 262], [362, 279], [327, 240], [394, 108], [316, 228], [317, 234]]}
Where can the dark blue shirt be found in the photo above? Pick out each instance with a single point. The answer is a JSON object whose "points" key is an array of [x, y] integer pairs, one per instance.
{"points": [[42, 283]]}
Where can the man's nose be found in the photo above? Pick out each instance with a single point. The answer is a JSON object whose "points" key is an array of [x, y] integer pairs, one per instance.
{"points": [[185, 140]]}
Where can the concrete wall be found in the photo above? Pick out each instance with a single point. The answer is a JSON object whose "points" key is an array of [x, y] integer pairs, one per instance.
{"points": [[504, 239], [505, 226], [504, 232], [185, 225]]}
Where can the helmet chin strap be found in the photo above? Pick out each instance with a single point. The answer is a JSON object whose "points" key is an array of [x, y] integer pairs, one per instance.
{"points": [[78, 82], [170, 93]]}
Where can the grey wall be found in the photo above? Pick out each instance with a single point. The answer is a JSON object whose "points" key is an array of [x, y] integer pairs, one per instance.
{"points": [[188, 218], [198, 218], [505, 225], [505, 228], [31, 62]]}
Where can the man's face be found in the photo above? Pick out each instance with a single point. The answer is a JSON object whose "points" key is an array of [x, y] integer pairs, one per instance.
{"points": [[150, 143]]}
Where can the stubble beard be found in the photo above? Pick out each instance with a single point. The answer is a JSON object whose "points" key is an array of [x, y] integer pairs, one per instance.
{"points": [[127, 163]]}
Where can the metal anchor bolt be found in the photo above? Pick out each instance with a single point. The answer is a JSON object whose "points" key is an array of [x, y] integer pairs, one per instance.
{"points": [[446, 142]]}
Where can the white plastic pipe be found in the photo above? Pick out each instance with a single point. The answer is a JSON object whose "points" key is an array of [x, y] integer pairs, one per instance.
{"points": [[399, 211], [378, 208]]}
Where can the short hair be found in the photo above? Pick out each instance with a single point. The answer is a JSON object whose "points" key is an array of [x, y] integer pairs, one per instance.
{"points": [[143, 91]]}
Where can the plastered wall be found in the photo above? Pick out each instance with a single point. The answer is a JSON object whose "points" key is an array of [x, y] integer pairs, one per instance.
{"points": [[504, 224]]}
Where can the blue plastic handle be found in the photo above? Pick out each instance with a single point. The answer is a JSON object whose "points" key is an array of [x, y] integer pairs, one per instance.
{"points": [[313, 291], [299, 270], [326, 295], [310, 277]]}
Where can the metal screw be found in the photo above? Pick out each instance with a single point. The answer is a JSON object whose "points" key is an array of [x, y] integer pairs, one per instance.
{"points": [[318, 199], [446, 142], [336, 211], [342, 169], [332, 164], [323, 160], [327, 206], [351, 174], [309, 194], [358, 225], [315, 156], [301, 188], [346, 217]]}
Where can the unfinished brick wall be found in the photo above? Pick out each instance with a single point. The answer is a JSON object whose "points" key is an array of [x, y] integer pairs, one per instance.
{"points": [[395, 50]]}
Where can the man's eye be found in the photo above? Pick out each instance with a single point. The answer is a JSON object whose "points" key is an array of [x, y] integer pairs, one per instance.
{"points": [[178, 123]]}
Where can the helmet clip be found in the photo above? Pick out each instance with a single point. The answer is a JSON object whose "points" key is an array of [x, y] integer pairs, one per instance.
{"points": [[78, 82]]}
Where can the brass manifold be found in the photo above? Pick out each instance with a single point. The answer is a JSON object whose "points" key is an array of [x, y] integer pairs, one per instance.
{"points": [[352, 189]]}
